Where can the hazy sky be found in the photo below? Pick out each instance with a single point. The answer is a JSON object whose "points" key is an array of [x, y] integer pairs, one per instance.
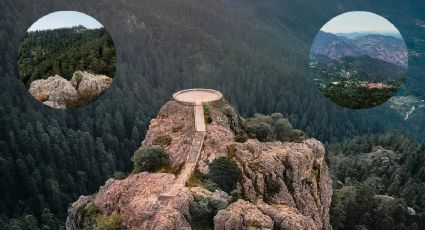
{"points": [[61, 19], [358, 21]]}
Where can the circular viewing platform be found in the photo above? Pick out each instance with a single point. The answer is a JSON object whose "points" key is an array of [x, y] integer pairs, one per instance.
{"points": [[197, 96]]}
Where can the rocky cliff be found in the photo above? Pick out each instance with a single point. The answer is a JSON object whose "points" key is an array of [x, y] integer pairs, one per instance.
{"points": [[283, 186], [60, 93]]}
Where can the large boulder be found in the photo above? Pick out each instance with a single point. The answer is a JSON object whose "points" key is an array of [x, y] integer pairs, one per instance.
{"points": [[60, 93], [54, 91], [90, 85]]}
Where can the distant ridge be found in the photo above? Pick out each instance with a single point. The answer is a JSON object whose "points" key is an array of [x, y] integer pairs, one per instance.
{"points": [[384, 47], [353, 35]]}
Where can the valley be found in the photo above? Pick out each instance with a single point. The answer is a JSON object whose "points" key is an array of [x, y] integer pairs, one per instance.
{"points": [[406, 105], [360, 72]]}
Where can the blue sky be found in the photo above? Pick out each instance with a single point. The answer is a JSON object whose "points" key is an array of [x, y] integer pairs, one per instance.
{"points": [[61, 19], [358, 21]]}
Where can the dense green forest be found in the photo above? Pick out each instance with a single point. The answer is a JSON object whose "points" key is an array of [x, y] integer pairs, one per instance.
{"points": [[378, 183], [63, 51], [352, 94], [255, 52]]}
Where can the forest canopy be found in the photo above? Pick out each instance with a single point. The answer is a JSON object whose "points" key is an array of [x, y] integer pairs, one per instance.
{"points": [[63, 51], [378, 183]]}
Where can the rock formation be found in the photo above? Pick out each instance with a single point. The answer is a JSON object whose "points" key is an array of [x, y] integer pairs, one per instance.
{"points": [[54, 91], [173, 130], [146, 200], [90, 85], [284, 186], [245, 215], [60, 93], [290, 174]]}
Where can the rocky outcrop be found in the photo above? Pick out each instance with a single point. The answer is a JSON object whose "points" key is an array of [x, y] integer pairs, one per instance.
{"points": [[144, 201], [173, 129], [90, 85], [54, 91], [284, 186], [60, 93], [290, 174], [242, 215], [246, 215], [292, 177]]}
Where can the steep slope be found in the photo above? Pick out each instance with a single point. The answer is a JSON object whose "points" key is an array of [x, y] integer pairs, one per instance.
{"points": [[285, 185]]}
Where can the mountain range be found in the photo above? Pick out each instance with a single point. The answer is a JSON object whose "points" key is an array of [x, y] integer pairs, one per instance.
{"points": [[352, 35], [383, 47]]}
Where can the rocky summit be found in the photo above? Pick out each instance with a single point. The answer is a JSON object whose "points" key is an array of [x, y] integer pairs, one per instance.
{"points": [[60, 93], [284, 185]]}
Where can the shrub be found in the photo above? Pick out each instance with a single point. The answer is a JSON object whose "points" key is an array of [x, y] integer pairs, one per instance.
{"points": [[297, 135], [104, 222], [88, 217], [226, 110], [119, 175], [172, 170], [210, 185], [177, 128], [225, 172], [207, 114], [195, 180], [76, 78], [261, 130], [163, 141], [92, 219], [255, 224], [241, 137], [235, 196], [282, 129], [271, 128], [203, 210], [272, 188], [149, 159]]}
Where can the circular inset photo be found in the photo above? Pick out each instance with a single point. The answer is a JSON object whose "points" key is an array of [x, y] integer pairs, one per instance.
{"points": [[358, 60], [67, 60]]}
